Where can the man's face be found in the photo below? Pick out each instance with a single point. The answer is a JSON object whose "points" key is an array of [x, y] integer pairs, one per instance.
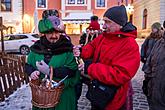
{"points": [[53, 37], [110, 26]]}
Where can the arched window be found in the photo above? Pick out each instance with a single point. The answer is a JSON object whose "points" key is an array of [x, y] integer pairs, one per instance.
{"points": [[144, 25]]}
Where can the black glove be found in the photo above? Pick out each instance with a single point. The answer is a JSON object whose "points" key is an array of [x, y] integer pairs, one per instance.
{"points": [[145, 85], [85, 79], [143, 60], [87, 63], [61, 72]]}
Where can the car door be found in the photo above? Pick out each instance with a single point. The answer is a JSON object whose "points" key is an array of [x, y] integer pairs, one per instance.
{"points": [[10, 44]]}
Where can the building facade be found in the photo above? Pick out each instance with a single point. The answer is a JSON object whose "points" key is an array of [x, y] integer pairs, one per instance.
{"points": [[23, 15], [74, 13], [11, 13], [146, 12]]}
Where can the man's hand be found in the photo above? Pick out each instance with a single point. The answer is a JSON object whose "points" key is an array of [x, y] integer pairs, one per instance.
{"points": [[81, 67], [34, 75], [43, 67], [76, 50]]}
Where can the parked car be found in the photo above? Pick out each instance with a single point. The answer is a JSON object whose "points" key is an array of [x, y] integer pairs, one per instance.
{"points": [[19, 42]]}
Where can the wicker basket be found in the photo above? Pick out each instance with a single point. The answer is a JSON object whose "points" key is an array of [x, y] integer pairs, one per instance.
{"points": [[43, 97]]}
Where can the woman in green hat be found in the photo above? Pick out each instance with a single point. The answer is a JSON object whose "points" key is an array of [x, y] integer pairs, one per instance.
{"points": [[146, 50]]}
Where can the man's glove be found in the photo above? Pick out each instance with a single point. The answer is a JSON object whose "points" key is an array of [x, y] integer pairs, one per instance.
{"points": [[43, 67], [87, 63], [143, 60]]}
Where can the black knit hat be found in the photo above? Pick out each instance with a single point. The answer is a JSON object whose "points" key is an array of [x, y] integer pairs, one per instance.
{"points": [[117, 14]]}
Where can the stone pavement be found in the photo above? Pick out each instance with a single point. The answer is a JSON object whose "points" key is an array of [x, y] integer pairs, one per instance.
{"points": [[139, 99]]}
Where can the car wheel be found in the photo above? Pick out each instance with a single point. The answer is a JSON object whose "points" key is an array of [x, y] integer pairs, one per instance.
{"points": [[24, 50]]}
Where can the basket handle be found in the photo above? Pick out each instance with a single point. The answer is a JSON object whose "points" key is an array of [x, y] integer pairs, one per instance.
{"points": [[51, 73]]}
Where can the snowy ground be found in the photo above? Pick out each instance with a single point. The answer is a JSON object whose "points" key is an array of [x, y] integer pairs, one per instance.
{"points": [[19, 100]]}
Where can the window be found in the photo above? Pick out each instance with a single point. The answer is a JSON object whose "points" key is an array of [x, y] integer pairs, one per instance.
{"points": [[35, 35], [11, 37], [17, 37], [42, 4], [75, 2], [100, 3], [144, 25], [5, 5], [80, 2], [71, 1]]}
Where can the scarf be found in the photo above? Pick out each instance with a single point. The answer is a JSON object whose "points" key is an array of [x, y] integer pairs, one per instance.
{"points": [[43, 46]]}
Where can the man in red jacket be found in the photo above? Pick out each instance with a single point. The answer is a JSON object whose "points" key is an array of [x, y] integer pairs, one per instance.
{"points": [[115, 54]]}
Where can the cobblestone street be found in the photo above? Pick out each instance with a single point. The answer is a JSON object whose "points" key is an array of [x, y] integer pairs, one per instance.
{"points": [[21, 99]]}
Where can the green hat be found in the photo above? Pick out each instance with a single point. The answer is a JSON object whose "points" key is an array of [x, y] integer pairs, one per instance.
{"points": [[50, 24], [156, 25]]}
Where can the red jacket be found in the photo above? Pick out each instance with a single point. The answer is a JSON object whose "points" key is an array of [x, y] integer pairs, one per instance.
{"points": [[119, 60]]}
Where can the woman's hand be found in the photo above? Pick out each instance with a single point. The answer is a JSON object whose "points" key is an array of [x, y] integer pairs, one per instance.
{"points": [[35, 75]]}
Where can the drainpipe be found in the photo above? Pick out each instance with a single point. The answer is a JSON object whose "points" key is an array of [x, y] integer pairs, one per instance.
{"points": [[23, 12]]}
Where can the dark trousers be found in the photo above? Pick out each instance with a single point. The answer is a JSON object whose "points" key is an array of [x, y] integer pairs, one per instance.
{"points": [[97, 108], [94, 107]]}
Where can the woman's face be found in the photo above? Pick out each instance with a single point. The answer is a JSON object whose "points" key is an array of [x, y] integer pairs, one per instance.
{"points": [[154, 30], [110, 26], [53, 37]]}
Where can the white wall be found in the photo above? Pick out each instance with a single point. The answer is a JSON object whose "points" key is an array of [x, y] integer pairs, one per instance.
{"points": [[14, 18], [162, 11]]}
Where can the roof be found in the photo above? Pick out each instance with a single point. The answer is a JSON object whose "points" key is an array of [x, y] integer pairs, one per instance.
{"points": [[78, 16]]}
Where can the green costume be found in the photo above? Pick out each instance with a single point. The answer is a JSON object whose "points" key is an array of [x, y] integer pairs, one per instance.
{"points": [[66, 59]]}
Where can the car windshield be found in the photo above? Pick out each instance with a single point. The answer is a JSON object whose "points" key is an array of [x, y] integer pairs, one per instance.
{"points": [[35, 35]]}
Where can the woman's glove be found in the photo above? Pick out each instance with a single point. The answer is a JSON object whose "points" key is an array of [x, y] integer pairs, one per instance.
{"points": [[35, 75], [43, 67]]}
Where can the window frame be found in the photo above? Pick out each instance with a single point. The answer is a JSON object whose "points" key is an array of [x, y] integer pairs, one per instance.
{"points": [[46, 5], [96, 7], [9, 2]]}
